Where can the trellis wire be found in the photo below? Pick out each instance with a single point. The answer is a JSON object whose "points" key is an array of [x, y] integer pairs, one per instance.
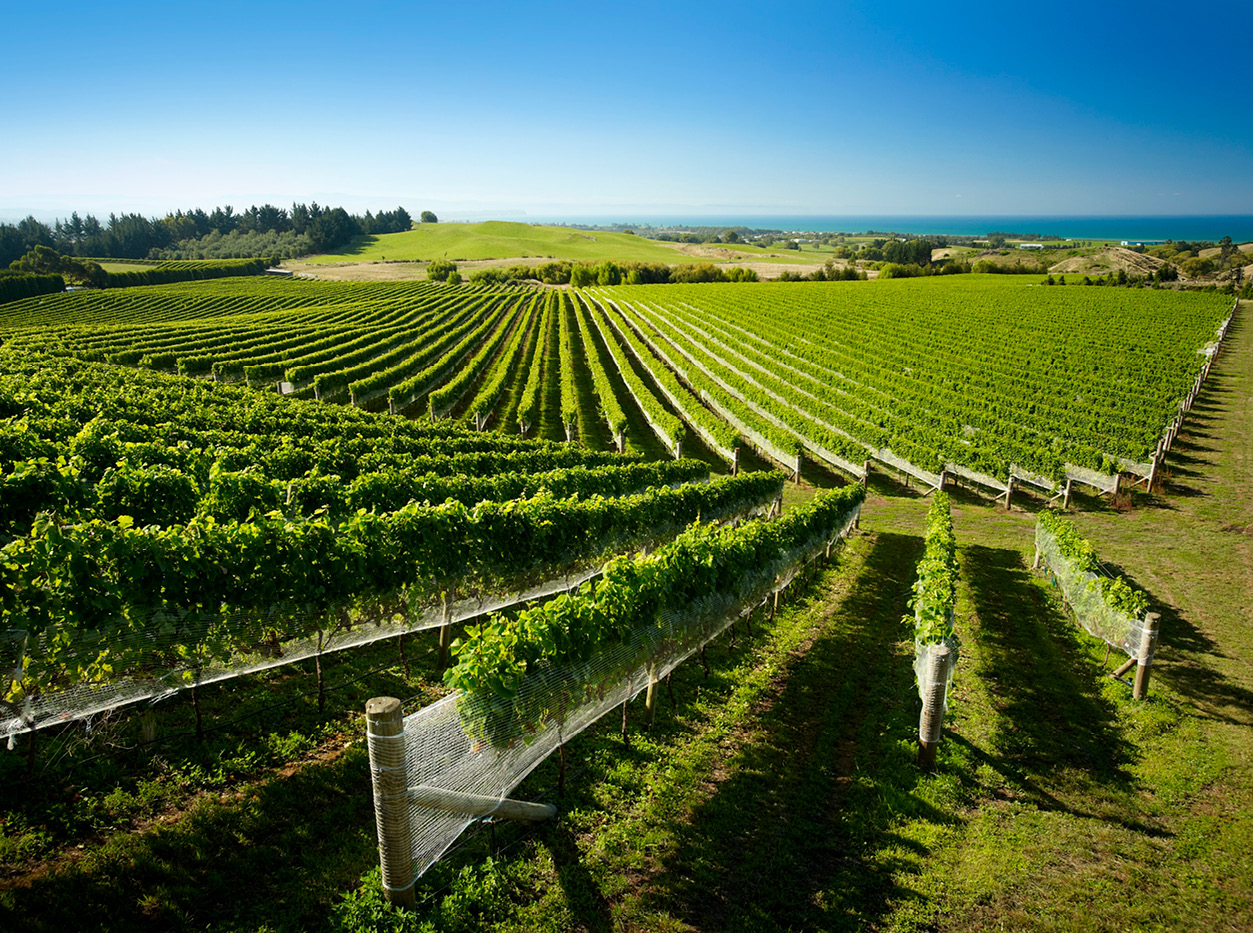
{"points": [[441, 754], [167, 670], [1086, 598]]}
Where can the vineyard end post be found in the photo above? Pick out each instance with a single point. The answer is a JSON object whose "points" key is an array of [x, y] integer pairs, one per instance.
{"points": [[1148, 644], [385, 739], [932, 719]]}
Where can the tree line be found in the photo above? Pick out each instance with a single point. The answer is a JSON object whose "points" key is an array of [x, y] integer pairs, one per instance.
{"points": [[221, 233]]}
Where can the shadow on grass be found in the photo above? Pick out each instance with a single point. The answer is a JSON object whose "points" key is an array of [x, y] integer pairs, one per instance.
{"points": [[796, 834], [582, 895], [275, 858], [1213, 695], [357, 247], [1053, 714]]}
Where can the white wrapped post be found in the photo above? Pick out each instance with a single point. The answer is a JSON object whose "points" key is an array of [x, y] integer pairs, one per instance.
{"points": [[385, 739], [934, 694], [1148, 644]]}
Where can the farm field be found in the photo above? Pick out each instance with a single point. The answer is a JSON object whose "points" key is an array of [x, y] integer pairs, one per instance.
{"points": [[499, 239], [776, 789], [1057, 385]]}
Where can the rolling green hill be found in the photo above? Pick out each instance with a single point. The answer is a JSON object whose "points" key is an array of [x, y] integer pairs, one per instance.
{"points": [[498, 239]]}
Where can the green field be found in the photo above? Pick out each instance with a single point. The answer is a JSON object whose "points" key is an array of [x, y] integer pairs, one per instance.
{"points": [[777, 789], [498, 239]]}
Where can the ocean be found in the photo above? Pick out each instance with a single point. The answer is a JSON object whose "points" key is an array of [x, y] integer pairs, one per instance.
{"points": [[1184, 227]]}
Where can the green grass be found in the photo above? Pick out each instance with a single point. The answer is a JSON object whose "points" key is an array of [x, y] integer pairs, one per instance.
{"points": [[498, 239]]}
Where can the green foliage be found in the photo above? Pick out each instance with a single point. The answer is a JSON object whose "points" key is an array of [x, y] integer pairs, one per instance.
{"points": [[619, 611], [1118, 594], [935, 589], [428, 217], [16, 286], [438, 270]]}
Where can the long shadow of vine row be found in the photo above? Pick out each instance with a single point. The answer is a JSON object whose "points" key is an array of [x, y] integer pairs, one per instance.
{"points": [[1052, 714], [794, 837]]}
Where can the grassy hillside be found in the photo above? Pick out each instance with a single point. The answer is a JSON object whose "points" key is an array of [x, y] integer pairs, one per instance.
{"points": [[498, 239]]}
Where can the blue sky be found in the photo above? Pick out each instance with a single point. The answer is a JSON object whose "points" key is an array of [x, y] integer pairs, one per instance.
{"points": [[575, 108]]}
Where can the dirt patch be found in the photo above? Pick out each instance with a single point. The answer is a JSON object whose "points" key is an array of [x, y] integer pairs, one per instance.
{"points": [[1110, 260]]}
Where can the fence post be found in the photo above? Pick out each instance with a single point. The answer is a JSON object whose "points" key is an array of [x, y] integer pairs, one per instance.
{"points": [[385, 739], [932, 719], [735, 461], [678, 450], [650, 700], [1148, 644], [445, 633], [1066, 497]]}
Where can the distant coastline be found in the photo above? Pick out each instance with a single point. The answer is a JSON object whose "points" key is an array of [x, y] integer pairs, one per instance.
{"points": [[1183, 227]]}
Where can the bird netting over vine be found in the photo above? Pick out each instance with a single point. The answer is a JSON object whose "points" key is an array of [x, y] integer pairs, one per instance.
{"points": [[1085, 595], [483, 743], [81, 660]]}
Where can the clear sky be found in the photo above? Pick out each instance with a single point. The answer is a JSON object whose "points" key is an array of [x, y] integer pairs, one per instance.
{"points": [[496, 109]]}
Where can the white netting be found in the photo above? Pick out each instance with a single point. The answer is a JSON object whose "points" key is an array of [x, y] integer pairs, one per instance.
{"points": [[927, 673], [157, 656], [485, 748], [884, 455], [933, 666], [161, 669], [1085, 597], [974, 476], [1102, 481]]}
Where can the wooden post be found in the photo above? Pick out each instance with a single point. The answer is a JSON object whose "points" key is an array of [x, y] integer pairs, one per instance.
{"points": [[1009, 491], [1148, 644], [620, 441], [1035, 564], [1154, 464], [943, 480], [523, 427], [1066, 497], [445, 634], [932, 719], [798, 469], [678, 450], [385, 739], [865, 475], [569, 432], [650, 700], [479, 805], [148, 725]]}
